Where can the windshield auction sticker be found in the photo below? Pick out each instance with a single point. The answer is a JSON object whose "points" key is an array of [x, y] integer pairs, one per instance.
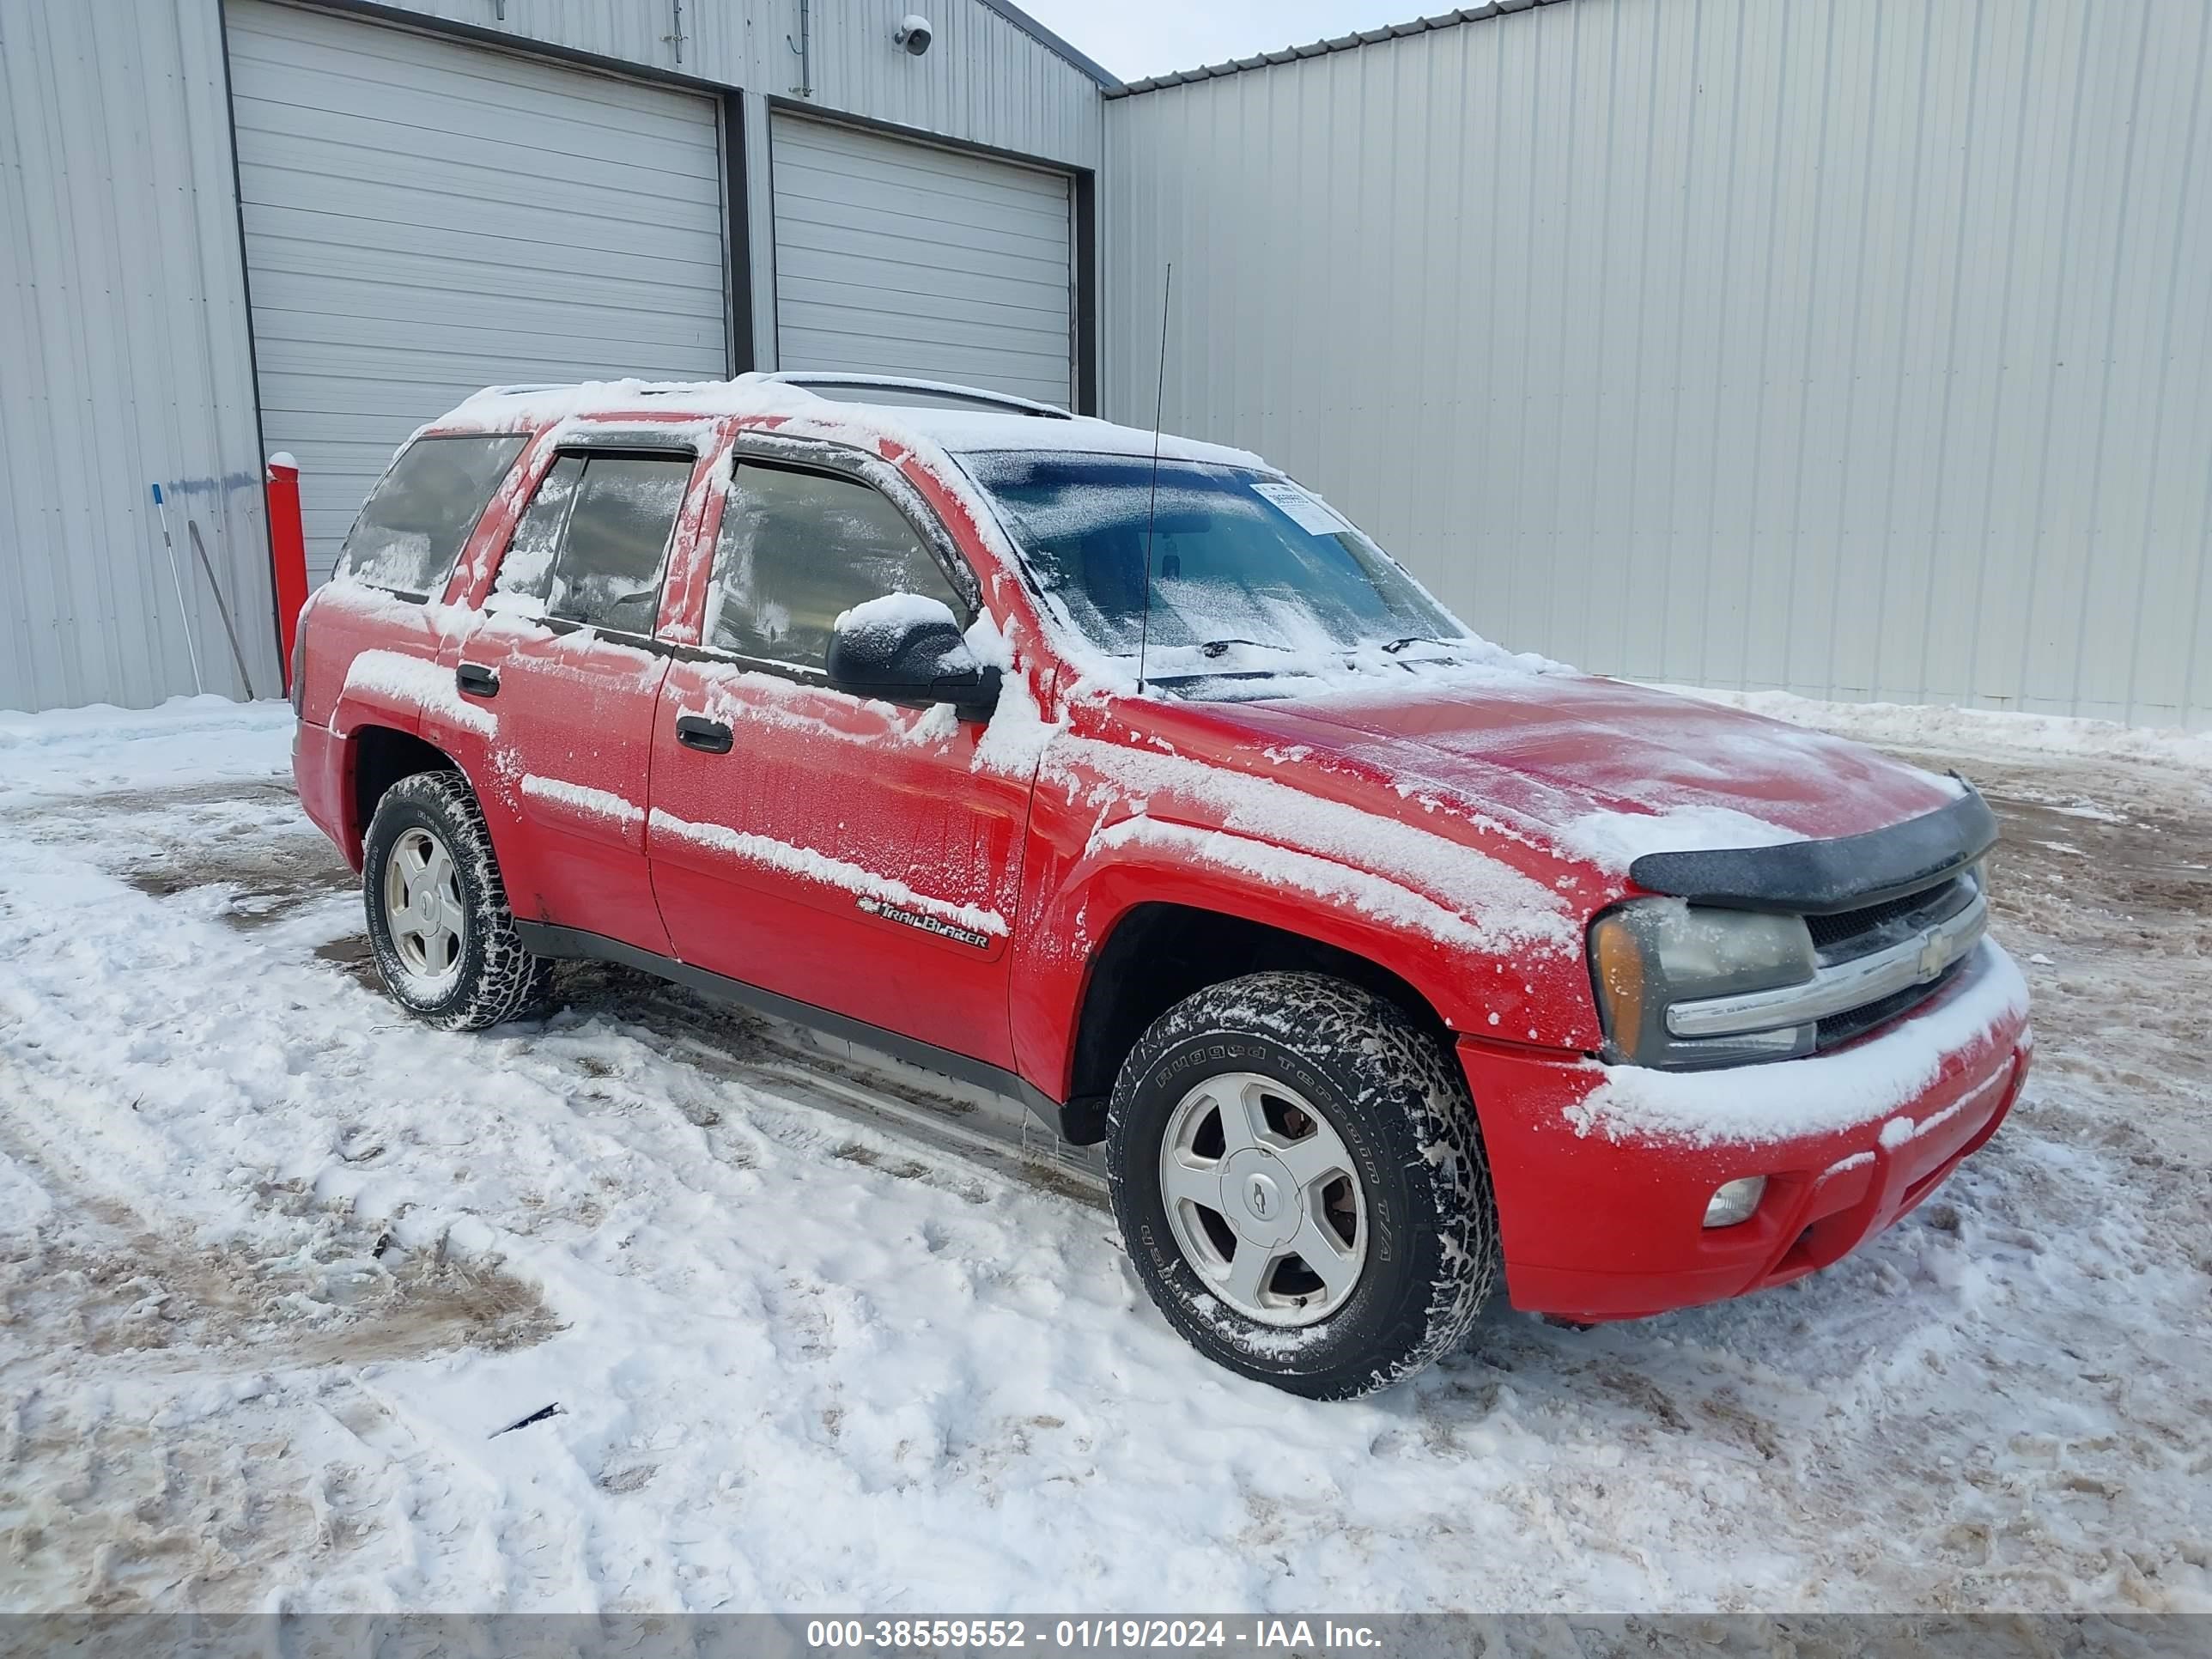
{"points": [[1313, 516]]}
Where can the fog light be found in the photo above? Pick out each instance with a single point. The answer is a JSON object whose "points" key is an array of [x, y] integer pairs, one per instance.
{"points": [[1735, 1201]]}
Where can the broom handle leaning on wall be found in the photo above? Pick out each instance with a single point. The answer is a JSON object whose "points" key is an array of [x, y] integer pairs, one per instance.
{"points": [[223, 609], [177, 580]]}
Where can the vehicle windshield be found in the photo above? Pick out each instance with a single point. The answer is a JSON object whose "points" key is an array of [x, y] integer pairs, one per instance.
{"points": [[1251, 576]]}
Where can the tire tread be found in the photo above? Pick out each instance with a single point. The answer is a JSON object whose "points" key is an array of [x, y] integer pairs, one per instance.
{"points": [[509, 981], [1392, 1067]]}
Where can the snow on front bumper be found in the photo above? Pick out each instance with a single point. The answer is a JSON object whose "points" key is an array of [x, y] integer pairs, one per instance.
{"points": [[1602, 1173]]}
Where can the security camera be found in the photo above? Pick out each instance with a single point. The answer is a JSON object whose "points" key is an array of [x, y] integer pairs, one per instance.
{"points": [[913, 33]]}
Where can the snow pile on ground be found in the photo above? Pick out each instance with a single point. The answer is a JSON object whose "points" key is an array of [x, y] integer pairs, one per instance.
{"points": [[1975, 730], [303, 1305], [74, 752]]}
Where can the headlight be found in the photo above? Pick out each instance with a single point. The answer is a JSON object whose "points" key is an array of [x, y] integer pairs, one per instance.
{"points": [[1650, 953]]}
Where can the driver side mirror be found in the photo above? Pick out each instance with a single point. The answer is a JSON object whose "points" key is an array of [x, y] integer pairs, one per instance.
{"points": [[906, 648]]}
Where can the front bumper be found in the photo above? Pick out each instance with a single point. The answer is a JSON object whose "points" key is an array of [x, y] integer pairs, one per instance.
{"points": [[1601, 1217]]}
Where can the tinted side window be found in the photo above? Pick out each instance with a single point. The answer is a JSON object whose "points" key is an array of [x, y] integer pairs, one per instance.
{"points": [[593, 542], [411, 529], [798, 548], [618, 532], [526, 572]]}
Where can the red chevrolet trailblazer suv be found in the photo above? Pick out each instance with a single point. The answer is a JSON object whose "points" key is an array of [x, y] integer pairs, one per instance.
{"points": [[1124, 776]]}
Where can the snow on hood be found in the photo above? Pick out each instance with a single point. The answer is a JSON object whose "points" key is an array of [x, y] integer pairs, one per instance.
{"points": [[1602, 770]]}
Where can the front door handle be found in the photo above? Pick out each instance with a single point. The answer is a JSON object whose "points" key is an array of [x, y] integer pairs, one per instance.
{"points": [[476, 680], [710, 737]]}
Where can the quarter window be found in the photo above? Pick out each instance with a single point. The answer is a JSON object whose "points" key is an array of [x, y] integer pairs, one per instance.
{"points": [[594, 542], [412, 527], [798, 548]]}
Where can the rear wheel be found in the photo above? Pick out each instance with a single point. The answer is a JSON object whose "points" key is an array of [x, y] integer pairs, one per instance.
{"points": [[438, 919], [1298, 1177]]}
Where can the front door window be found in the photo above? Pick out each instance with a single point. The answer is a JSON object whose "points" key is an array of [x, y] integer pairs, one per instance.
{"points": [[796, 549]]}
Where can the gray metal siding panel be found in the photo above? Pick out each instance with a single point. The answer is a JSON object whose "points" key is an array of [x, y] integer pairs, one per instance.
{"points": [[1859, 349], [984, 80], [124, 332], [425, 216], [898, 257]]}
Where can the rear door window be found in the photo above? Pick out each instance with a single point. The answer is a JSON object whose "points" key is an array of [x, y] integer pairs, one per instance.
{"points": [[414, 525], [525, 575], [798, 548], [592, 544]]}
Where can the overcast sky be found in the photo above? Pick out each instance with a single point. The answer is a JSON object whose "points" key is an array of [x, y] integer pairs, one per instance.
{"points": [[1137, 37]]}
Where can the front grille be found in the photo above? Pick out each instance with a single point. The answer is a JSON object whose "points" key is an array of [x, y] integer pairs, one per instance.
{"points": [[1839, 1029], [1848, 933]]}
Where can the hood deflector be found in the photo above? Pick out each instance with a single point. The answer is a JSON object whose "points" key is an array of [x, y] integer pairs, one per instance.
{"points": [[1819, 878]]}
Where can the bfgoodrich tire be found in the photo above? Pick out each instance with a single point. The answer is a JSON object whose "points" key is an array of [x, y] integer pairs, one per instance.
{"points": [[1298, 1180], [438, 919]]}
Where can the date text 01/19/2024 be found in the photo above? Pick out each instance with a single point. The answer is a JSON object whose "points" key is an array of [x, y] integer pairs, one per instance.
{"points": [[1085, 1635]]}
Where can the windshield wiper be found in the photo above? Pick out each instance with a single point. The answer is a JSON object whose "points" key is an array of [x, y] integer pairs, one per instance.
{"points": [[1395, 646], [1219, 647]]}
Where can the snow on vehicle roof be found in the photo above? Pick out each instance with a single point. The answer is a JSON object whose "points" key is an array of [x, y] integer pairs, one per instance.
{"points": [[908, 391], [966, 430], [958, 430]]}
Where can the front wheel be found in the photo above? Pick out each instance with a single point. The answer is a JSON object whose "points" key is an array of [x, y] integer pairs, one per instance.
{"points": [[438, 919], [1297, 1174]]}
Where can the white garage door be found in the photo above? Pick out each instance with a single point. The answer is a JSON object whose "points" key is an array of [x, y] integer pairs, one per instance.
{"points": [[900, 258], [424, 217]]}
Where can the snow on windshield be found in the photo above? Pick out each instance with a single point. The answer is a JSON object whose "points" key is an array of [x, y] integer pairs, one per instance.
{"points": [[1248, 572]]}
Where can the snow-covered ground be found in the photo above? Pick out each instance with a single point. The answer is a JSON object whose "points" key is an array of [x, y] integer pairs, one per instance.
{"points": [[304, 1306]]}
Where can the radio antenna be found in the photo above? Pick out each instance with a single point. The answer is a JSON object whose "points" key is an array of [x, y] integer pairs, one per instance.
{"points": [[1153, 510]]}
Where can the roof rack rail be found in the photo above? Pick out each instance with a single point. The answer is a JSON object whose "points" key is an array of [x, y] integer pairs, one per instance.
{"points": [[936, 393]]}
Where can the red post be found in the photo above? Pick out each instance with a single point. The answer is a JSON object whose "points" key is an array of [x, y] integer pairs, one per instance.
{"points": [[287, 553]]}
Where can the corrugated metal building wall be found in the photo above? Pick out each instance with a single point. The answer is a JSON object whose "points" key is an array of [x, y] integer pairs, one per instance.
{"points": [[1854, 347], [124, 322], [124, 357]]}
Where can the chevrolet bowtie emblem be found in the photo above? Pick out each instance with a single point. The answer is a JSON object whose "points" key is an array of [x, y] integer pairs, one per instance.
{"points": [[1935, 955]]}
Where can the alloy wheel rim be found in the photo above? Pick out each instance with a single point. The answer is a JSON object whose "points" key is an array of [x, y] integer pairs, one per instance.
{"points": [[1263, 1200], [422, 909]]}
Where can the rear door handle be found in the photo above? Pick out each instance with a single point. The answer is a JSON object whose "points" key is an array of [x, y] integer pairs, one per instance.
{"points": [[711, 737], [476, 680]]}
